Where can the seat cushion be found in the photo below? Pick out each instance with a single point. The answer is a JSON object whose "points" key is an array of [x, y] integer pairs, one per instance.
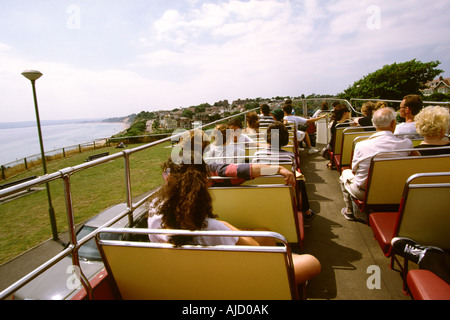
{"points": [[383, 225], [425, 285]]}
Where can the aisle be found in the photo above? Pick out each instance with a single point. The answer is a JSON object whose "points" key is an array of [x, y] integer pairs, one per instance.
{"points": [[346, 249]]}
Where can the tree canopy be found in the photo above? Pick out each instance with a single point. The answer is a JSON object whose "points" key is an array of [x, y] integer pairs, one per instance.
{"points": [[393, 82]]}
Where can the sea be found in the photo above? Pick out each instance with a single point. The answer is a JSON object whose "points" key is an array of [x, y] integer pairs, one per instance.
{"points": [[20, 139]]}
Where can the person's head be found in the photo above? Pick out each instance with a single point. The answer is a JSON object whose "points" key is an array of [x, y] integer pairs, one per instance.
{"points": [[384, 119], [379, 105], [235, 129], [253, 120], [265, 109], [287, 108], [433, 122], [184, 200], [340, 112], [334, 104], [411, 105], [277, 114], [191, 141], [234, 124], [221, 134], [324, 106], [368, 108], [277, 133]]}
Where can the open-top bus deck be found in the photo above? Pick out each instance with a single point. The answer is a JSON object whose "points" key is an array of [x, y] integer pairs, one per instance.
{"points": [[351, 258], [353, 265]]}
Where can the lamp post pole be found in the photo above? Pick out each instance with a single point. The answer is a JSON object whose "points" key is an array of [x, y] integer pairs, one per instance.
{"points": [[33, 75]]}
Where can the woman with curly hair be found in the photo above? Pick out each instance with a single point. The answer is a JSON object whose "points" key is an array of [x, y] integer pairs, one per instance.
{"points": [[184, 203], [432, 123]]}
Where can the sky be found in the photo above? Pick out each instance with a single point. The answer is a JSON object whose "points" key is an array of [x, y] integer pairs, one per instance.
{"points": [[103, 59]]}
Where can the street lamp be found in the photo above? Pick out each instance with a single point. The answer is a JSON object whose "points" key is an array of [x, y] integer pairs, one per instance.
{"points": [[33, 75]]}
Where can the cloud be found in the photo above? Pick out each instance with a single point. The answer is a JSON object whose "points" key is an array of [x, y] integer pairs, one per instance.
{"points": [[163, 54]]}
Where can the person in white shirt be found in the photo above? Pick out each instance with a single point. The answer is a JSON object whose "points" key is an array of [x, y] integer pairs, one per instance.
{"points": [[409, 108], [353, 181], [224, 147], [184, 202], [265, 119], [300, 121]]}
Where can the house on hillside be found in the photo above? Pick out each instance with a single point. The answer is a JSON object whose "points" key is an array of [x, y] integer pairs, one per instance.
{"points": [[169, 122], [440, 85]]}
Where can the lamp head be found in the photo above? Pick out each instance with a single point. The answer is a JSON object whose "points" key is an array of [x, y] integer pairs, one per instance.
{"points": [[32, 74]]}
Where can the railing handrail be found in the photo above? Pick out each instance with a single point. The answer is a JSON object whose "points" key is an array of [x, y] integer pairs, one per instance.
{"points": [[399, 101], [65, 174]]}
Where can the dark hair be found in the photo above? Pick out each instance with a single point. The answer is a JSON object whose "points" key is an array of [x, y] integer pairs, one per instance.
{"points": [[278, 114], [184, 201], [338, 112], [235, 122], [265, 109], [253, 120], [280, 132], [413, 102], [287, 108]]}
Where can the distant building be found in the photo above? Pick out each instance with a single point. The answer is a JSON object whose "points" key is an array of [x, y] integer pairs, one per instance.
{"points": [[169, 123], [440, 85]]}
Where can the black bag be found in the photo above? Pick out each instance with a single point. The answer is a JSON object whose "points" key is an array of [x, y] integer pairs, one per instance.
{"points": [[325, 154], [303, 127]]}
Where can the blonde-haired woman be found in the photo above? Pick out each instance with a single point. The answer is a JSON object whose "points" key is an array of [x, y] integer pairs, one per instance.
{"points": [[432, 123]]}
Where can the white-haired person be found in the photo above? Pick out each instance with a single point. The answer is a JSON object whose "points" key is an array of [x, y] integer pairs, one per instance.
{"points": [[353, 181], [432, 123]]}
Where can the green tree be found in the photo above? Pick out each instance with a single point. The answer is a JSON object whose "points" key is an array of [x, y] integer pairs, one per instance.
{"points": [[394, 81], [187, 113]]}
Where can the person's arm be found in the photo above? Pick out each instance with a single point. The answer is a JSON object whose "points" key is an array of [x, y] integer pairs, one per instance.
{"points": [[250, 171], [242, 241], [308, 121], [259, 170]]}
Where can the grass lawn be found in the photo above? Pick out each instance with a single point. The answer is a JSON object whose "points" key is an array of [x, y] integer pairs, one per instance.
{"points": [[24, 222]]}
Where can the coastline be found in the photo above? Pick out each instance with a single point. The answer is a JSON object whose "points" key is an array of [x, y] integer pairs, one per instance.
{"points": [[19, 140]]}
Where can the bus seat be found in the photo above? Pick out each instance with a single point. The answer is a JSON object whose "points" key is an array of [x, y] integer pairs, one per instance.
{"points": [[260, 206], [347, 147], [387, 177], [422, 215], [160, 271], [425, 285]]}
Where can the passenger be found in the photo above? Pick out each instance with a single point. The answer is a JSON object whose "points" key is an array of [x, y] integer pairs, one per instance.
{"points": [[323, 107], [301, 123], [277, 115], [184, 202], [197, 141], [353, 181], [223, 146], [265, 119], [252, 128], [279, 135], [240, 138], [379, 105], [433, 123], [409, 108], [339, 116], [367, 110], [429, 258]]}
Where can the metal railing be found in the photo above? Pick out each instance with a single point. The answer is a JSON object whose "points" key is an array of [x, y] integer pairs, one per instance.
{"points": [[445, 103], [65, 175]]}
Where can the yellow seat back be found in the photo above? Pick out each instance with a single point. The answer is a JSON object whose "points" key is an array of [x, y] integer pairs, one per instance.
{"points": [[425, 214], [387, 177], [261, 206], [347, 145], [151, 271]]}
